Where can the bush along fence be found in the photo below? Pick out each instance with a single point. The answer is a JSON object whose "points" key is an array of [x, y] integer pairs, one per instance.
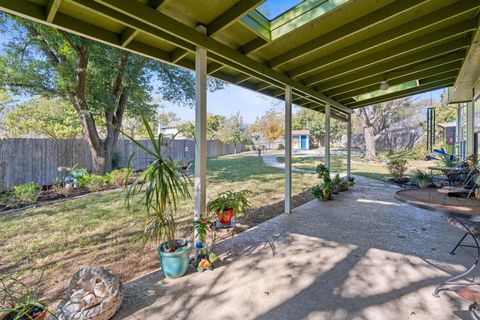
{"points": [[37, 160]]}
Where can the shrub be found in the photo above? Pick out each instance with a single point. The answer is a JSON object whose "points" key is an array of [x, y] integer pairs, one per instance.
{"points": [[94, 182], [317, 192], [280, 147], [22, 195], [397, 169], [119, 176]]}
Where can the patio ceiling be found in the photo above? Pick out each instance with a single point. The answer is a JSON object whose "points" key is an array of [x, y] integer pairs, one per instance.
{"points": [[328, 51]]}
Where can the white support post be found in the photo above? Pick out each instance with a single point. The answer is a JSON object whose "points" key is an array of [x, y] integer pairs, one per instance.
{"points": [[470, 129], [200, 129], [288, 149], [349, 145], [458, 139], [327, 136]]}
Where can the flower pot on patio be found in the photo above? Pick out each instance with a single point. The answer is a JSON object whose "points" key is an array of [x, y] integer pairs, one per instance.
{"points": [[226, 216], [39, 315], [175, 264]]}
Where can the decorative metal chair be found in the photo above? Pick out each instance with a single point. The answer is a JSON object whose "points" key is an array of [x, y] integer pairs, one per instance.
{"points": [[466, 289]]}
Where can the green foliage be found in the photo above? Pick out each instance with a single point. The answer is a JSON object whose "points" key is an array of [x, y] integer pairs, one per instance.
{"points": [[17, 298], [201, 228], [421, 178], [270, 125], [51, 118], [119, 177], [237, 201], [95, 182], [317, 191], [162, 186], [105, 85], [314, 122], [280, 147], [397, 169], [234, 130], [21, 195]]}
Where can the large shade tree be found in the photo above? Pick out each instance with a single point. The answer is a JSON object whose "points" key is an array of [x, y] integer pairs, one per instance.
{"points": [[376, 119], [103, 84], [50, 118]]}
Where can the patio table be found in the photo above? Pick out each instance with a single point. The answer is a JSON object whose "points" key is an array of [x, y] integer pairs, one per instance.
{"points": [[452, 173], [460, 212]]}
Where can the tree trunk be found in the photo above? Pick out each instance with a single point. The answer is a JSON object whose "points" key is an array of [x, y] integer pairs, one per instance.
{"points": [[370, 151], [102, 159]]}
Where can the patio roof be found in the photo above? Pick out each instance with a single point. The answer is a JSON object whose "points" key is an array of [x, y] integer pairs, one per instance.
{"points": [[328, 51]]}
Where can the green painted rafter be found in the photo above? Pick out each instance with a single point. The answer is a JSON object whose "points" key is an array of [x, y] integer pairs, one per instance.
{"points": [[52, 8], [410, 59], [363, 47], [236, 60], [129, 33], [376, 75], [399, 50], [442, 76], [232, 15], [400, 94], [348, 30]]}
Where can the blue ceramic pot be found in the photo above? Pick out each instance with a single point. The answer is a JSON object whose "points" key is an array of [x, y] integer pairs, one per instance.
{"points": [[175, 264]]}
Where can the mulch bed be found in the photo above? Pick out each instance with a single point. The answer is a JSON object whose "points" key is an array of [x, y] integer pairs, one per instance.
{"points": [[47, 195]]}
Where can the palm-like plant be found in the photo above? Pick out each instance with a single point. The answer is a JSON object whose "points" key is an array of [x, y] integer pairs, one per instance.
{"points": [[162, 185]]}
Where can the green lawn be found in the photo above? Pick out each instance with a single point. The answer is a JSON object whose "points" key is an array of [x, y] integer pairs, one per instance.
{"points": [[371, 169], [56, 240]]}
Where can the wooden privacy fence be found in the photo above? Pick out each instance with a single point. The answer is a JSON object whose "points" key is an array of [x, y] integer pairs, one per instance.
{"points": [[37, 160]]}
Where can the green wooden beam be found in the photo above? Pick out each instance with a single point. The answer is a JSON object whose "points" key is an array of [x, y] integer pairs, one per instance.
{"points": [[178, 54], [226, 19], [214, 67], [232, 15], [242, 78], [131, 23], [402, 61], [129, 34], [52, 8], [253, 45], [164, 23], [403, 93], [350, 29], [355, 82], [321, 66], [427, 22], [450, 69]]}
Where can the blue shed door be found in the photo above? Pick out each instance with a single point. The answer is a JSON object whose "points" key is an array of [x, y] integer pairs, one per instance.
{"points": [[303, 144]]}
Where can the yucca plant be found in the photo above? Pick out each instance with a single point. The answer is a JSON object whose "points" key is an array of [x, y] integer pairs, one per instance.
{"points": [[162, 187], [18, 301]]}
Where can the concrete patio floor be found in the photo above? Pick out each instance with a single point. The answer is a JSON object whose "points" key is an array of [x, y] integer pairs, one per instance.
{"points": [[362, 256]]}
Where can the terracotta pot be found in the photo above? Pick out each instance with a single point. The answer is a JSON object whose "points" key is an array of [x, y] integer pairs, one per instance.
{"points": [[226, 216], [41, 316]]}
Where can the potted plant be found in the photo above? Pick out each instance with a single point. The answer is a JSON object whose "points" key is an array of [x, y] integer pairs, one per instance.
{"points": [[162, 187], [18, 301], [328, 186], [351, 181], [228, 204], [205, 256], [421, 178]]}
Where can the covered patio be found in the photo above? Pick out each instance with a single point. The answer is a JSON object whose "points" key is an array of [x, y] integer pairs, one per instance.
{"points": [[321, 262], [365, 257]]}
